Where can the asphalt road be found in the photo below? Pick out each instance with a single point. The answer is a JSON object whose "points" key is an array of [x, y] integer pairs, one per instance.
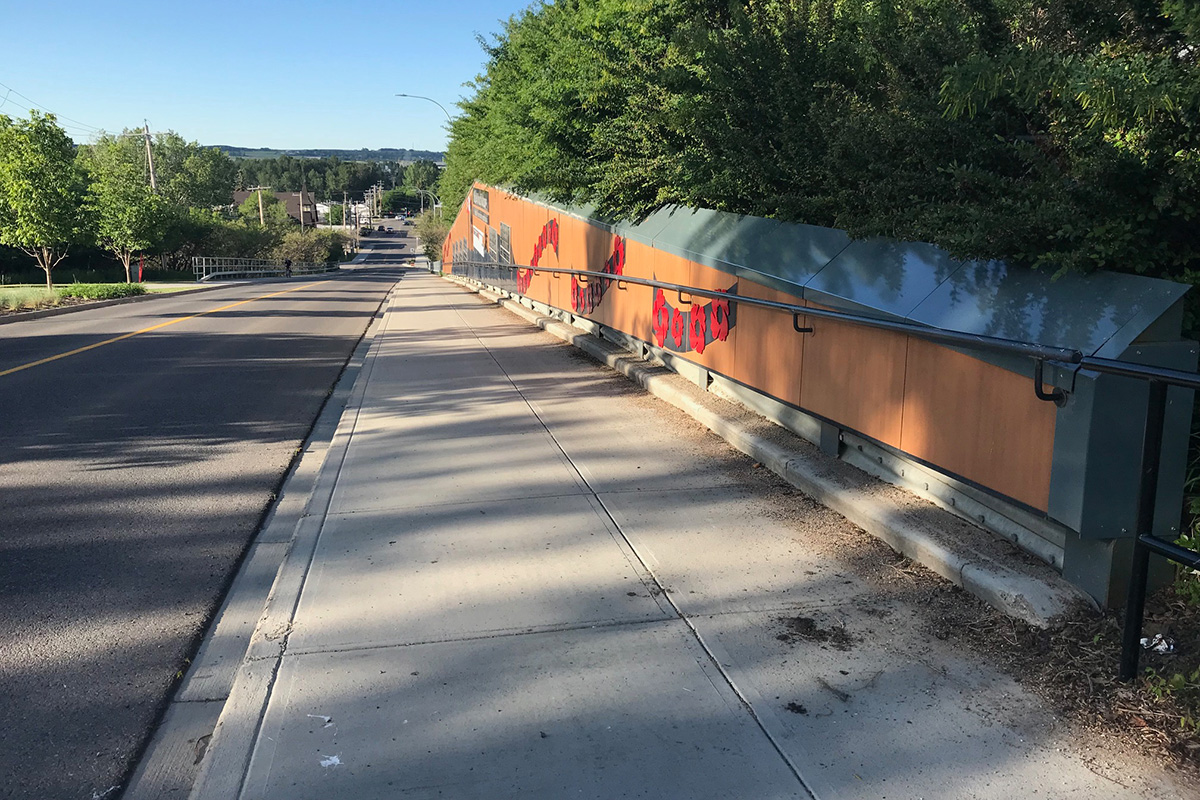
{"points": [[132, 476], [387, 246]]}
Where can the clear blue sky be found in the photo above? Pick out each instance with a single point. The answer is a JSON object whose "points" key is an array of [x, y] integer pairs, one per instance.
{"points": [[255, 73]]}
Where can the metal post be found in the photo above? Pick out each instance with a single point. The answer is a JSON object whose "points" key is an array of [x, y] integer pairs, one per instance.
{"points": [[1131, 644]]}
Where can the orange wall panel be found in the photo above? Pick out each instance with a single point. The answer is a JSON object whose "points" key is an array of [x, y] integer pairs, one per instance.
{"points": [[979, 421], [630, 309], [855, 375], [770, 354]]}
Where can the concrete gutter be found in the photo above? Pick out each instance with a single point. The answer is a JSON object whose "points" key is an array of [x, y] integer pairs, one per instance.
{"points": [[1020, 588]]}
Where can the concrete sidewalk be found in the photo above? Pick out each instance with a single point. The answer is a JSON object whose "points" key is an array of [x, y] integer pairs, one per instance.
{"points": [[518, 576]]}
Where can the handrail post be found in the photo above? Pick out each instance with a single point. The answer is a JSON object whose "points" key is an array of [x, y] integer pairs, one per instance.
{"points": [[1135, 605]]}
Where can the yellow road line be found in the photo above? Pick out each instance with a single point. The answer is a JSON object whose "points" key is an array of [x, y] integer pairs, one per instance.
{"points": [[78, 350]]}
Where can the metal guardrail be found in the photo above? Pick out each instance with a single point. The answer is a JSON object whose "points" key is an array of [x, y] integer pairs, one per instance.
{"points": [[208, 268], [1158, 378]]}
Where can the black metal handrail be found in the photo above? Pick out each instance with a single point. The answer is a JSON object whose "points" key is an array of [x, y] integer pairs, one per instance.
{"points": [[1065, 355], [1159, 379]]}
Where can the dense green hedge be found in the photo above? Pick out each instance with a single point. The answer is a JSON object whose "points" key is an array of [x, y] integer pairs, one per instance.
{"points": [[100, 291], [1061, 134]]}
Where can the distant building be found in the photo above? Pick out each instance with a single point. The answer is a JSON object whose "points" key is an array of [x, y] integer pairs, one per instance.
{"points": [[292, 201], [408, 162]]}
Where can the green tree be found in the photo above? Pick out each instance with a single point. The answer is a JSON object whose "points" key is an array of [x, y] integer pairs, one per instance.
{"points": [[336, 214], [274, 211], [208, 233], [128, 216], [421, 175], [432, 230], [192, 176], [42, 190], [399, 200], [1109, 92], [310, 246]]}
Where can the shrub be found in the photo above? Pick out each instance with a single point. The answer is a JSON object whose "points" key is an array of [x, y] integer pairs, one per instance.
{"points": [[432, 230], [100, 291], [26, 297], [310, 246]]}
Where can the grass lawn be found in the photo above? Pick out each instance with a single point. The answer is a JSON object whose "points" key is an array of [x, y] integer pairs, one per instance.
{"points": [[152, 288]]}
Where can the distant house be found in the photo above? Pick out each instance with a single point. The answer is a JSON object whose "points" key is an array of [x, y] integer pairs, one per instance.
{"points": [[293, 202]]}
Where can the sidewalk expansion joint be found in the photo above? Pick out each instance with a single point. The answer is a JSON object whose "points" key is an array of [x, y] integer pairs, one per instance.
{"points": [[200, 700], [582, 492], [483, 636]]}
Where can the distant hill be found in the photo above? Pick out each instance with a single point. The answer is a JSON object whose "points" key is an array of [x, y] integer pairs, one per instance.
{"points": [[385, 154]]}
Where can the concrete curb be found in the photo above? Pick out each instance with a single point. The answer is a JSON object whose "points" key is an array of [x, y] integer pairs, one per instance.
{"points": [[229, 752], [8, 319], [1038, 597]]}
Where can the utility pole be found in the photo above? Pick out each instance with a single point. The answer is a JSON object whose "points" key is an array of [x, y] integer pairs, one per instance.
{"points": [[261, 219], [303, 191], [150, 159], [345, 209]]}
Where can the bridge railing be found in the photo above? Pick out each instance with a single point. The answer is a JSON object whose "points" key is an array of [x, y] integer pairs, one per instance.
{"points": [[207, 268], [504, 276]]}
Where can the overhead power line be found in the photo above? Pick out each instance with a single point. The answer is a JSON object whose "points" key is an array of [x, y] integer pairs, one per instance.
{"points": [[35, 104]]}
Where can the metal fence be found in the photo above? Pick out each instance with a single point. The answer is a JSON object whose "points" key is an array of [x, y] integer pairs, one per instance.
{"points": [[210, 269], [504, 276]]}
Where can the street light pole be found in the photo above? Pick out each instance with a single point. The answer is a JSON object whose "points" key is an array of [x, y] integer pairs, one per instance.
{"points": [[430, 99], [433, 198]]}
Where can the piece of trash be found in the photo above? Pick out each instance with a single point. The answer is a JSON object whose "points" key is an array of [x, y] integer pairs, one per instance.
{"points": [[327, 720], [202, 747], [100, 795], [1159, 644], [331, 761]]}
